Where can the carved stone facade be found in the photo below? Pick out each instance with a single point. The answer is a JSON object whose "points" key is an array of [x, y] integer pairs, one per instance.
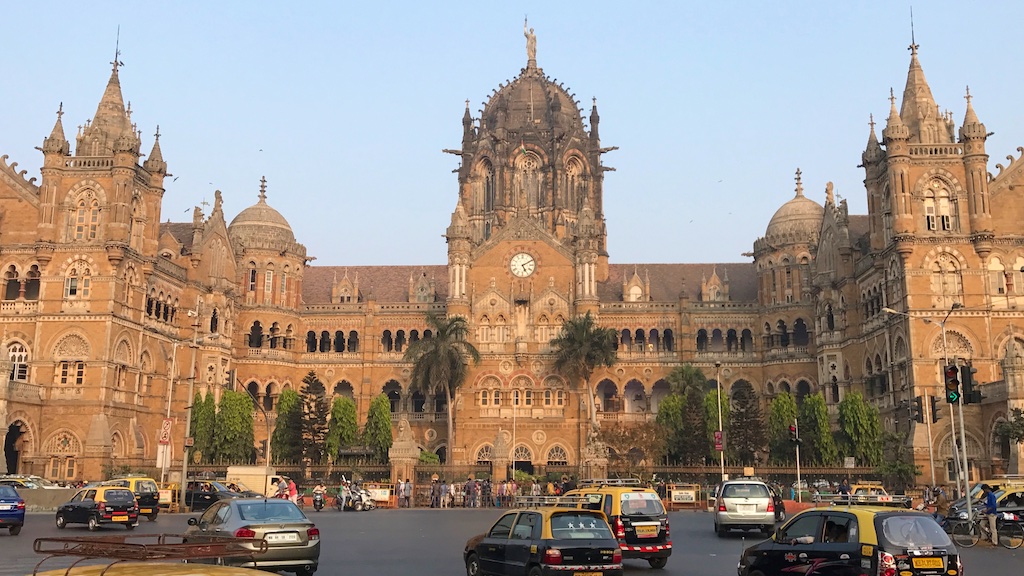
{"points": [[102, 302]]}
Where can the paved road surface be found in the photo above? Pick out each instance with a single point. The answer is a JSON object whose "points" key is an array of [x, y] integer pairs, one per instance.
{"points": [[428, 542]]}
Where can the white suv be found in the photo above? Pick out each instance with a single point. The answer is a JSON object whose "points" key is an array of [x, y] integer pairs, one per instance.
{"points": [[744, 504]]}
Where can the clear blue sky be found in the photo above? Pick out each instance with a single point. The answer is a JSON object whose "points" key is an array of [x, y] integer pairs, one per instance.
{"points": [[345, 106]]}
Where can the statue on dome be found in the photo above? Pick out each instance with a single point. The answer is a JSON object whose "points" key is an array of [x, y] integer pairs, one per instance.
{"points": [[531, 42]]}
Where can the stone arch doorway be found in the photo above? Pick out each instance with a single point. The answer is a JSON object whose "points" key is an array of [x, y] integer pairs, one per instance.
{"points": [[14, 444], [522, 459]]}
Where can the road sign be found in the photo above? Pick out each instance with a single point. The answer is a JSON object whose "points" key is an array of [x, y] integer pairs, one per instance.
{"points": [[190, 442], [165, 431], [849, 462], [718, 440]]}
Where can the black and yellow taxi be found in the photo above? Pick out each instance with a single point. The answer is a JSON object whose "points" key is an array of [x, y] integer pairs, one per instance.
{"points": [[635, 513], [868, 540], [99, 505], [543, 538], [146, 493]]}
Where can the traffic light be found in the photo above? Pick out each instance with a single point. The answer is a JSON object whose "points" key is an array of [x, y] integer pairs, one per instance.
{"points": [[793, 436], [952, 379], [971, 396], [935, 409], [917, 410]]}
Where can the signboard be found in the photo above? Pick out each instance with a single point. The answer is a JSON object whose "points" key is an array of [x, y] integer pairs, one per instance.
{"points": [[166, 496], [718, 440], [849, 462], [165, 432], [379, 494], [684, 496], [190, 442]]}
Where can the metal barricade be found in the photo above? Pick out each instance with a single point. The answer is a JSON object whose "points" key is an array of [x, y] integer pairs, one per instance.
{"points": [[684, 497]]}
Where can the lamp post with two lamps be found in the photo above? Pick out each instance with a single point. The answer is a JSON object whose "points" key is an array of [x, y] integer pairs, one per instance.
{"points": [[962, 466], [720, 441], [196, 316]]}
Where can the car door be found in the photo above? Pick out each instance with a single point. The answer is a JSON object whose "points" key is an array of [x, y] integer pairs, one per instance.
{"points": [[69, 508], [209, 522], [793, 546], [491, 549], [85, 507], [837, 551], [522, 542]]}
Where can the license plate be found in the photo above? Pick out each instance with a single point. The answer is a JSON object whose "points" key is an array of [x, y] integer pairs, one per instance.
{"points": [[145, 510], [933, 562], [123, 518], [646, 531], [587, 574], [5, 507], [284, 537], [745, 508]]}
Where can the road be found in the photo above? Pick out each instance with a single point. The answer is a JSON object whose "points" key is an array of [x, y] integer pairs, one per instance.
{"points": [[429, 543]]}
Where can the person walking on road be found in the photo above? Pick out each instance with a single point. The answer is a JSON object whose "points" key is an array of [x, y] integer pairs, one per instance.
{"points": [[407, 493], [989, 511]]}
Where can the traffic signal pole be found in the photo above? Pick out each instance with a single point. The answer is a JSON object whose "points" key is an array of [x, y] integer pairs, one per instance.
{"points": [[931, 453], [799, 490], [966, 467]]}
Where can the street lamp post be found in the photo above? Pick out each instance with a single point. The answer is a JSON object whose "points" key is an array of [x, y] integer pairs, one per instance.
{"points": [[165, 460], [721, 431], [188, 407]]}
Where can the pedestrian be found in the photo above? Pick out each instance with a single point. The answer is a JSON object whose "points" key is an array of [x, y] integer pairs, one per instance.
{"points": [[282, 488], [535, 489], [408, 494], [941, 504], [435, 494], [444, 493], [400, 493], [467, 493], [293, 491], [501, 494]]}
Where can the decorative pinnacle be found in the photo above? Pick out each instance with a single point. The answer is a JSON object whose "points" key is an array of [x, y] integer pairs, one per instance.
{"points": [[60, 111], [117, 52], [595, 100], [157, 135], [263, 189], [871, 122], [892, 97], [128, 110], [968, 96], [799, 183], [467, 103]]}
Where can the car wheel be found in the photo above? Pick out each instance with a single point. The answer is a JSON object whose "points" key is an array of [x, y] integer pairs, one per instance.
{"points": [[61, 522], [130, 526], [657, 563], [720, 531], [780, 517], [473, 566], [358, 507], [304, 571], [535, 571], [152, 517], [15, 530], [94, 523]]}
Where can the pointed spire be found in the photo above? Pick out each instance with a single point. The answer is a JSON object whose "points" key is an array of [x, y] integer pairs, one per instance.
{"points": [[111, 122], [595, 120], [873, 150], [970, 117], [57, 142], [263, 190], [155, 162], [919, 111], [799, 184]]}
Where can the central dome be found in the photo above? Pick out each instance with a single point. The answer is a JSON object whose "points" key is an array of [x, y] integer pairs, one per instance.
{"points": [[801, 215], [532, 101], [260, 223]]}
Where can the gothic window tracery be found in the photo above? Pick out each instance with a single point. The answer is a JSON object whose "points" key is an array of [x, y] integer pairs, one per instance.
{"points": [[939, 209], [527, 180], [77, 281], [557, 456], [947, 283], [18, 355], [484, 454], [85, 217]]}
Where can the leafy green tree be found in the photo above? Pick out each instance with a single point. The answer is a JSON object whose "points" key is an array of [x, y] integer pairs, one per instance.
{"points": [[580, 347], [670, 418], [203, 421], [314, 419], [286, 441], [440, 363], [686, 376], [1013, 429], [377, 433], [781, 415], [817, 444], [897, 468], [681, 417], [343, 429], [429, 457], [711, 420], [746, 424], [234, 440], [860, 430]]}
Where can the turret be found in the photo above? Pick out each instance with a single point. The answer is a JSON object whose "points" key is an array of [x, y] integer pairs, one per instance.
{"points": [[897, 145], [874, 180], [973, 136], [56, 146]]}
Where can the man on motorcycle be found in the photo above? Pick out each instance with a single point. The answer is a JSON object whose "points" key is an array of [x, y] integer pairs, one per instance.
{"points": [[344, 494], [319, 492]]}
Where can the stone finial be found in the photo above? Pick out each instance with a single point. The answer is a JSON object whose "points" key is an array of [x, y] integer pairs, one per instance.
{"points": [[263, 189]]}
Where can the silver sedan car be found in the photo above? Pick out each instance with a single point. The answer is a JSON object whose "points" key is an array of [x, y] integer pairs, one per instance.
{"points": [[293, 540], [744, 504]]}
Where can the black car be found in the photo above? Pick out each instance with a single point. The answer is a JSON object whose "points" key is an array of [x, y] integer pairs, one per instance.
{"points": [[96, 506], [201, 494], [854, 540], [544, 542]]}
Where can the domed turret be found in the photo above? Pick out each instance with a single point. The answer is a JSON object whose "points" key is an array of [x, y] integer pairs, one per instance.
{"points": [[797, 220], [261, 226]]}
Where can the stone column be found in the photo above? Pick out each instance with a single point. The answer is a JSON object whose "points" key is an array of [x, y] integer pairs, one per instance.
{"points": [[403, 454]]}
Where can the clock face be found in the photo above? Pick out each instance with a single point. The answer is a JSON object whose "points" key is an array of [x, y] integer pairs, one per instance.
{"points": [[522, 265]]}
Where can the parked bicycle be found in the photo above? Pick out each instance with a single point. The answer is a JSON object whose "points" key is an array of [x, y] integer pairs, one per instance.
{"points": [[1009, 531]]}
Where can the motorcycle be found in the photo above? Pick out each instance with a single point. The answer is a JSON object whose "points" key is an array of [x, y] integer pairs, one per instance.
{"points": [[366, 499], [318, 501]]}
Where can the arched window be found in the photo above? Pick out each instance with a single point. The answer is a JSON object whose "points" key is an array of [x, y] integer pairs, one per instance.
{"points": [[339, 341], [18, 355], [947, 284], [310, 341], [214, 321], [12, 284], [557, 456], [256, 335], [484, 454], [251, 277], [32, 283], [77, 281], [87, 218]]}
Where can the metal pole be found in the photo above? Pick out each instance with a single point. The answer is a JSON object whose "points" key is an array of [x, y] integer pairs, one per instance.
{"points": [[188, 408], [799, 490], [967, 465], [165, 462], [721, 431], [925, 399]]}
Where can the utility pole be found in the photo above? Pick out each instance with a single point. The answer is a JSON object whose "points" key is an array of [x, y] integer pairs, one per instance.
{"points": [[927, 400], [799, 490], [195, 314]]}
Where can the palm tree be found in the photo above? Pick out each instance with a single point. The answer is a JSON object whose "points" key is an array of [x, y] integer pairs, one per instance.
{"points": [[581, 347], [440, 363]]}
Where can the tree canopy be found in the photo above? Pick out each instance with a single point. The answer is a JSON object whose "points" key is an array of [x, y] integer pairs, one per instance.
{"points": [[286, 441], [781, 414], [204, 415], [343, 429], [860, 430], [314, 419], [817, 443], [746, 424], [377, 433], [234, 433], [580, 347]]}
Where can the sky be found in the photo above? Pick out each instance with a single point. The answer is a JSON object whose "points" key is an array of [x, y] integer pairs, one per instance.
{"points": [[345, 106]]}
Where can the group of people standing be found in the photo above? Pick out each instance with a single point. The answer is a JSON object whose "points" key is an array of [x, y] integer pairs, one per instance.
{"points": [[286, 488]]}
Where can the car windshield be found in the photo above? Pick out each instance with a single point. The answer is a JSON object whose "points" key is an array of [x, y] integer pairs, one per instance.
{"points": [[272, 510], [576, 526], [8, 492], [745, 491], [146, 486], [641, 504], [118, 495], [913, 531]]}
